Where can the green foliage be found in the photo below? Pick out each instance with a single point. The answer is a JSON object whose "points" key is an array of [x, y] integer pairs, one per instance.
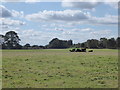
{"points": [[11, 40], [102, 43], [93, 43], [56, 43], [118, 42], [111, 43]]}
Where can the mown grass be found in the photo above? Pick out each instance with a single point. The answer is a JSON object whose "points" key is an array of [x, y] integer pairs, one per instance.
{"points": [[59, 68]]}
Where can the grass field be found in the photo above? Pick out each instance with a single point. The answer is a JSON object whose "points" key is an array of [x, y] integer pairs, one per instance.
{"points": [[59, 68]]}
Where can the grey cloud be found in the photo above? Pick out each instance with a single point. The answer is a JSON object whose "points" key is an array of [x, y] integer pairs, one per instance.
{"points": [[4, 12], [106, 20], [87, 4], [66, 15], [10, 22], [72, 17], [82, 5], [12, 0]]}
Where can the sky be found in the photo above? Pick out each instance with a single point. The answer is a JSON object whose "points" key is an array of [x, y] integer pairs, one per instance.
{"points": [[39, 22]]}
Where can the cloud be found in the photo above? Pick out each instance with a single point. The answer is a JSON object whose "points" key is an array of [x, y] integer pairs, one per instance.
{"points": [[17, 14], [19, 0], [78, 35], [6, 13], [7, 23], [112, 4], [66, 15], [60, 0], [90, 0], [72, 17], [88, 4], [32, 36], [32, 1], [82, 5], [10, 22], [83, 34], [11, 0], [27, 1], [106, 20], [87, 30], [74, 31], [100, 33]]}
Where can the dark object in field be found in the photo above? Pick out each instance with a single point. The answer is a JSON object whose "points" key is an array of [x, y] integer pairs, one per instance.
{"points": [[73, 50], [6, 71], [90, 51], [5, 76], [36, 80], [26, 59], [45, 79], [29, 68], [50, 76], [20, 70], [78, 50], [83, 50]]}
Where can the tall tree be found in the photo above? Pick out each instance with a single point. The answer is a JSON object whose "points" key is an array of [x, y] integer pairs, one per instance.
{"points": [[83, 45], [118, 42], [111, 43], [103, 43], [12, 40], [93, 43], [70, 43], [56, 43], [27, 46]]}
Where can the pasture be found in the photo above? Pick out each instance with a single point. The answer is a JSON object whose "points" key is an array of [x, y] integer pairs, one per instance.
{"points": [[59, 68]]}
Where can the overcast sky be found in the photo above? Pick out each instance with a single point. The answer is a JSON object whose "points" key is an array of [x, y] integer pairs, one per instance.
{"points": [[39, 22]]}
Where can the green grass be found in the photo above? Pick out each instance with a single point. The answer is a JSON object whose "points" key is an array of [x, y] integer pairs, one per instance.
{"points": [[59, 68]]}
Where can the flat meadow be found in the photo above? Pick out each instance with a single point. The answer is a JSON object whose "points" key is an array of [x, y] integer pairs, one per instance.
{"points": [[59, 68]]}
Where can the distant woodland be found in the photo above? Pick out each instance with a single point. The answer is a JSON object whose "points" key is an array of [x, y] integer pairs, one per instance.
{"points": [[11, 40]]}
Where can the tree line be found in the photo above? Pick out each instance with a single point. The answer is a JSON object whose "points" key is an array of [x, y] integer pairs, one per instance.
{"points": [[11, 40], [103, 43]]}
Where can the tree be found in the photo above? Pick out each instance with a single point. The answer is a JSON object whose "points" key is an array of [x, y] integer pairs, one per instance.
{"points": [[103, 43], [70, 43], [41, 47], [111, 43], [93, 43], [12, 40], [77, 45], [56, 43], [27, 46], [83, 45], [2, 42], [35, 47], [1, 39], [118, 42]]}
